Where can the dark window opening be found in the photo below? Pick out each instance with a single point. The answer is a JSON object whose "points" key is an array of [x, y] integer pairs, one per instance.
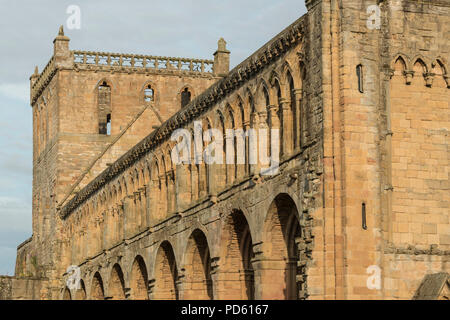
{"points": [[104, 109], [359, 73], [108, 124], [185, 97], [148, 94], [363, 213]]}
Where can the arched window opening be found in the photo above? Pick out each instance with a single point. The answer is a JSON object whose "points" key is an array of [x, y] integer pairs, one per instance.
{"points": [[104, 108], [149, 94], [294, 111], [185, 97], [266, 97]]}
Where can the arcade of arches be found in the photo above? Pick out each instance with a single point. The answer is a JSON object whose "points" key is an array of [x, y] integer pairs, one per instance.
{"points": [[236, 268]]}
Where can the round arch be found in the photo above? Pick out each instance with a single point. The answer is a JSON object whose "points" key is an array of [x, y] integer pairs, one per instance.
{"points": [[117, 283], [236, 277], [281, 229], [139, 280], [97, 288], [165, 273], [197, 266]]}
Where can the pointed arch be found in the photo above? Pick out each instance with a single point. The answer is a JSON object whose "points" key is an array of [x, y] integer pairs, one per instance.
{"points": [[400, 63], [439, 71], [281, 228], [97, 289], [139, 280], [166, 273], [262, 96], [236, 277], [423, 61], [117, 283], [197, 265]]}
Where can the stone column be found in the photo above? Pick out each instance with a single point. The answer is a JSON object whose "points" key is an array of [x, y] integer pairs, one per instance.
{"points": [[275, 124], [151, 288], [147, 207], [163, 198], [136, 212], [170, 193], [183, 194], [179, 285], [299, 127], [106, 233], [246, 170], [229, 168], [215, 277], [286, 128], [154, 199], [128, 208], [142, 205], [121, 221]]}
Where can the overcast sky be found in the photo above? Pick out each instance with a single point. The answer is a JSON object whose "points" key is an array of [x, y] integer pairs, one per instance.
{"points": [[178, 28]]}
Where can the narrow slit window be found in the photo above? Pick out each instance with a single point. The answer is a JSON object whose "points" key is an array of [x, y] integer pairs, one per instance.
{"points": [[359, 73], [185, 97], [363, 216]]}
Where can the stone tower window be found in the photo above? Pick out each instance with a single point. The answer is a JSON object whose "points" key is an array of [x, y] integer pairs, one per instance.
{"points": [[104, 109], [108, 124], [149, 94], [363, 216], [359, 73], [185, 97]]}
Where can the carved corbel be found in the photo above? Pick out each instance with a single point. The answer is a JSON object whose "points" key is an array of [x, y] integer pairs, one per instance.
{"points": [[429, 77], [409, 74]]}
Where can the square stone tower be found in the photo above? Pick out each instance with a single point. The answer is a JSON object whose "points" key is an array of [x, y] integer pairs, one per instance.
{"points": [[89, 108]]}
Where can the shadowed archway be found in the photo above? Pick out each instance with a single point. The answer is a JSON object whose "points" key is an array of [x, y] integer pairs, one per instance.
{"points": [[97, 289], [198, 284], [236, 275], [165, 274], [279, 267], [139, 280], [117, 284]]}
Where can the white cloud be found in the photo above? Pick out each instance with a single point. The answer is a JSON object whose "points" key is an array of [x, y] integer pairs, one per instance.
{"points": [[16, 91]]}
